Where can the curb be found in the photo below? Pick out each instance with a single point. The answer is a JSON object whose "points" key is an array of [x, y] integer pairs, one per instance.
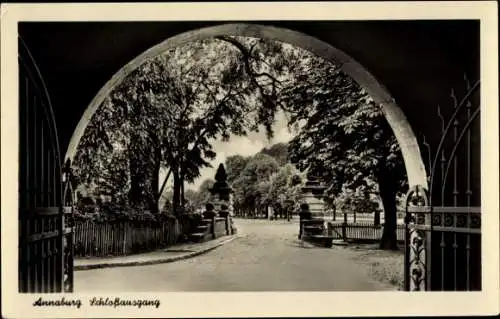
{"points": [[155, 261]]}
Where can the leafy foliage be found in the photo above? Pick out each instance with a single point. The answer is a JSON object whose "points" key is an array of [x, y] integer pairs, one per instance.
{"points": [[249, 187], [279, 152], [168, 112], [234, 165], [259, 181], [344, 140], [284, 188], [203, 196]]}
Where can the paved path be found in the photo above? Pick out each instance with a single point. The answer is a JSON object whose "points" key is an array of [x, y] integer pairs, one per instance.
{"points": [[267, 258]]}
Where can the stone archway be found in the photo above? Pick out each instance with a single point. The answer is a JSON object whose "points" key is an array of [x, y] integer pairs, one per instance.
{"points": [[403, 132]]}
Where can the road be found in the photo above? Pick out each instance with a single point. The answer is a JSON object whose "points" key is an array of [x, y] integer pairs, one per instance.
{"points": [[268, 257]]}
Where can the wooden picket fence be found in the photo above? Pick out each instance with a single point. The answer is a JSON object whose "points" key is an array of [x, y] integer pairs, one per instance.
{"points": [[93, 239], [362, 232]]}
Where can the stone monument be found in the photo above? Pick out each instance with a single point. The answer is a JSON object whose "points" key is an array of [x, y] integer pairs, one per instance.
{"points": [[313, 195], [221, 192], [209, 212], [312, 213]]}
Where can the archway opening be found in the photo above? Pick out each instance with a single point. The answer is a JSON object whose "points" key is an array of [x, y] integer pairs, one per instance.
{"points": [[403, 132], [394, 116]]}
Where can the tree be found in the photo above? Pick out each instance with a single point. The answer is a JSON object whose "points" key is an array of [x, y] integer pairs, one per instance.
{"points": [[285, 187], [172, 107], [100, 164], [191, 200], [356, 200], [158, 102], [278, 151], [203, 194], [140, 122], [344, 138], [166, 198], [176, 104], [214, 95], [234, 166], [168, 112], [250, 187]]}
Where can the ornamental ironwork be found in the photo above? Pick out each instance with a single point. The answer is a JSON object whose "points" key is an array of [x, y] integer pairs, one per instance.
{"points": [[443, 227]]}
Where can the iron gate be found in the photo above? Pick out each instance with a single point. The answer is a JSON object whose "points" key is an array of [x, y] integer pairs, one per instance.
{"points": [[443, 224], [45, 234]]}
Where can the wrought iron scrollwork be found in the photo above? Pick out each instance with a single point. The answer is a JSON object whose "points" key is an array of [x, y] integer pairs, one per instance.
{"points": [[452, 126], [445, 213], [68, 223], [415, 253]]}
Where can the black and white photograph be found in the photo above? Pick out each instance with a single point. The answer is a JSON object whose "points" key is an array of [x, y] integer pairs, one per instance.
{"points": [[248, 151]]}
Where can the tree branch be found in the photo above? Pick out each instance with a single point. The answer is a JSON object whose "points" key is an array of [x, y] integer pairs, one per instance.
{"points": [[246, 59], [158, 196]]}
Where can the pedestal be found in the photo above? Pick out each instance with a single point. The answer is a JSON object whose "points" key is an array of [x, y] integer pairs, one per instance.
{"points": [[312, 222], [313, 195], [221, 195]]}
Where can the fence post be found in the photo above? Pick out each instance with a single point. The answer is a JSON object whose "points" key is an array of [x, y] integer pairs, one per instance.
{"points": [[329, 229]]}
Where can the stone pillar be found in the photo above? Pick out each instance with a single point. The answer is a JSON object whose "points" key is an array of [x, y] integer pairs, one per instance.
{"points": [[312, 208], [313, 195], [209, 212], [221, 192], [304, 214]]}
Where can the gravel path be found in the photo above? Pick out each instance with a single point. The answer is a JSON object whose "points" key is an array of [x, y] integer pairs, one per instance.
{"points": [[267, 258]]}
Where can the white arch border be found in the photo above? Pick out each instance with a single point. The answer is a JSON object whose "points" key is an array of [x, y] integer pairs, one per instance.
{"points": [[403, 132]]}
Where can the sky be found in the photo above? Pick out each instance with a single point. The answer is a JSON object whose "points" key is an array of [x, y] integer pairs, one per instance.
{"points": [[239, 145]]}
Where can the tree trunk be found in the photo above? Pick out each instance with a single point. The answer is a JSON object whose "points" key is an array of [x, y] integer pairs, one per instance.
{"points": [[136, 164], [177, 191], [155, 181], [162, 188], [136, 178], [388, 195], [183, 198]]}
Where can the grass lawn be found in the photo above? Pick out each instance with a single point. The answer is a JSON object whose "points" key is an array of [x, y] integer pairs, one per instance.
{"points": [[384, 266]]}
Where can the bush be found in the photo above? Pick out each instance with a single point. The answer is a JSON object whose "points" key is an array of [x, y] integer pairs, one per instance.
{"points": [[85, 207], [113, 213]]}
